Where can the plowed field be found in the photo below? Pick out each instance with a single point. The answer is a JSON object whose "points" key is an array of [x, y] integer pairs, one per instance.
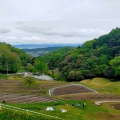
{"points": [[70, 89], [19, 98]]}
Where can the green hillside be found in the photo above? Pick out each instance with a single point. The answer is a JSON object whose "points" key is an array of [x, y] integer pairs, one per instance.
{"points": [[54, 58], [99, 57], [12, 59]]}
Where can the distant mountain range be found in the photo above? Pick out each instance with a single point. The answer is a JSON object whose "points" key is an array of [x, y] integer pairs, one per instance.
{"points": [[32, 46], [41, 49]]}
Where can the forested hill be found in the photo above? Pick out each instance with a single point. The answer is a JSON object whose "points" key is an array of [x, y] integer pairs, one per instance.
{"points": [[54, 58], [95, 58], [12, 58]]}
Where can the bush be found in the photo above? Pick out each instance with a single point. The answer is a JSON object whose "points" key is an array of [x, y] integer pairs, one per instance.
{"points": [[29, 81]]}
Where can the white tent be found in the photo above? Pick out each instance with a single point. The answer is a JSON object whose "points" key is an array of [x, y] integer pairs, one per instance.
{"points": [[49, 109]]}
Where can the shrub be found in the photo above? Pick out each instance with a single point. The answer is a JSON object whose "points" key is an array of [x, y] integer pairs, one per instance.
{"points": [[29, 81]]}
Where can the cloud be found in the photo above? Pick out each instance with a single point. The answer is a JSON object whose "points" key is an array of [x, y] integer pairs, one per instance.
{"points": [[34, 39], [4, 30], [11, 38], [57, 21], [54, 30]]}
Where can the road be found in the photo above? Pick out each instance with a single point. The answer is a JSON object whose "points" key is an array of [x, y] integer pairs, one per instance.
{"points": [[40, 77]]}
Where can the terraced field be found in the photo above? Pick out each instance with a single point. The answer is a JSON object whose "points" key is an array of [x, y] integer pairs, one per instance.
{"points": [[16, 86], [116, 106], [13, 91], [70, 89], [19, 98]]}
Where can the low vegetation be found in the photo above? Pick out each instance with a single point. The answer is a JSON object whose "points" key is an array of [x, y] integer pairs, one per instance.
{"points": [[81, 112], [29, 81]]}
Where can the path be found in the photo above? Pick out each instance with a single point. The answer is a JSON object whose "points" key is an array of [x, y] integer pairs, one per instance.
{"points": [[100, 102]]}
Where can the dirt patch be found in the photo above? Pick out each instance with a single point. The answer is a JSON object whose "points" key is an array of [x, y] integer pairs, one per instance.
{"points": [[90, 96], [19, 98], [70, 89], [17, 87], [116, 106]]}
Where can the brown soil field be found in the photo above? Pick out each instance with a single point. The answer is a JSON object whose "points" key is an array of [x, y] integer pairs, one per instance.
{"points": [[17, 87], [14, 91], [70, 89], [116, 106], [90, 96], [19, 98]]}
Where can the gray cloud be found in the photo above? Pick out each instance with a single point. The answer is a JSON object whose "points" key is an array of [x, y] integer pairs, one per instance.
{"points": [[56, 30], [57, 21], [4, 30]]}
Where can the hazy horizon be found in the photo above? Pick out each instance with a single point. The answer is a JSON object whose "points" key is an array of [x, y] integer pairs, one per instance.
{"points": [[34, 46]]}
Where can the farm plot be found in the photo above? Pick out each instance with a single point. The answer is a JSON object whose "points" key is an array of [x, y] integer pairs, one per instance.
{"points": [[19, 98], [70, 89], [116, 106]]}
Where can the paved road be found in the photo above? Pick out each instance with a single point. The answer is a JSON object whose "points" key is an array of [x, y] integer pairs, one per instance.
{"points": [[41, 77]]}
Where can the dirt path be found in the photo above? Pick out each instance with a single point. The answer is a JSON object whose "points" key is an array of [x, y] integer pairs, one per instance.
{"points": [[100, 102]]}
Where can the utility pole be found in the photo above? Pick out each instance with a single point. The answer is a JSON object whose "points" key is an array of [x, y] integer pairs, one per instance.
{"points": [[7, 67]]}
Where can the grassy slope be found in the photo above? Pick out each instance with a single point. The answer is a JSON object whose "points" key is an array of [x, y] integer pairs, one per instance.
{"points": [[103, 85], [90, 112]]}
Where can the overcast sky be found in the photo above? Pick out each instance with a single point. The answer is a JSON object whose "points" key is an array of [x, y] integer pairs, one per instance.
{"points": [[56, 21]]}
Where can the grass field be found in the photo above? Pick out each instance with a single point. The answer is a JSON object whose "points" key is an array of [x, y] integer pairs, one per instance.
{"points": [[103, 85], [75, 111]]}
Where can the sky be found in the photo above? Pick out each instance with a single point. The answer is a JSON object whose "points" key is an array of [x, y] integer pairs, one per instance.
{"points": [[56, 21]]}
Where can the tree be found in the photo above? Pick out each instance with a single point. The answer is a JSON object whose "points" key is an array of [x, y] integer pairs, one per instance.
{"points": [[115, 65], [29, 67], [108, 71], [41, 66], [71, 75], [79, 76]]}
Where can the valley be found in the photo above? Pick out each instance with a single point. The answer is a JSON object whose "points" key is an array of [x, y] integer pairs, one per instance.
{"points": [[84, 79]]}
